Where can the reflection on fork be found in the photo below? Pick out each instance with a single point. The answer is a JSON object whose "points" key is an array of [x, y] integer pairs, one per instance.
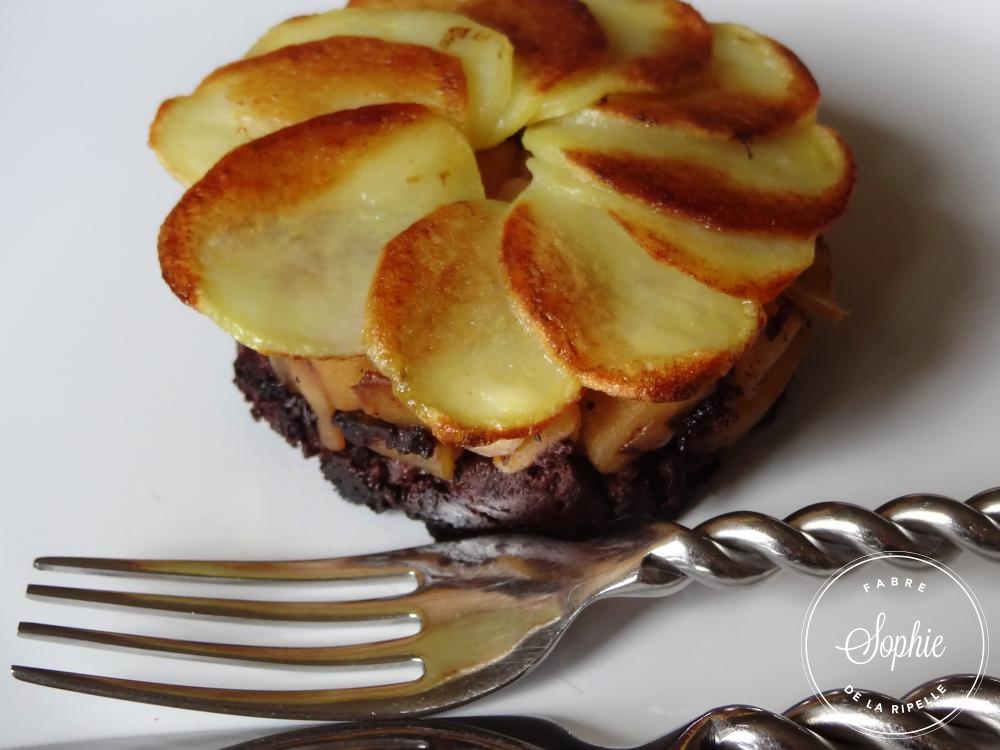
{"points": [[506, 599]]}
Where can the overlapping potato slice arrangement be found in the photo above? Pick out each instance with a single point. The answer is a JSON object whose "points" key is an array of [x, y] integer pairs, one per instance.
{"points": [[336, 61], [792, 185], [728, 178], [653, 46], [555, 42], [622, 322], [675, 187], [279, 242], [751, 86], [568, 54], [753, 265], [442, 327], [486, 55]]}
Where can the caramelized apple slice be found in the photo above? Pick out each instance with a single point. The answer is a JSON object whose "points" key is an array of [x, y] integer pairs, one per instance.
{"points": [[337, 377], [256, 96], [563, 427], [279, 242], [754, 405], [752, 87], [441, 327], [299, 376], [622, 323], [376, 397], [486, 55], [616, 431], [739, 263], [813, 290], [793, 184], [555, 42]]}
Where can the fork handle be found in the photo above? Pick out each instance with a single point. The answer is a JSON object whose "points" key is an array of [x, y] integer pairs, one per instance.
{"points": [[970, 709], [743, 548]]}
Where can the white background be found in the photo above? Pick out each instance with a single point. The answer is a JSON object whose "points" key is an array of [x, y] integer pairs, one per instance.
{"points": [[122, 435]]}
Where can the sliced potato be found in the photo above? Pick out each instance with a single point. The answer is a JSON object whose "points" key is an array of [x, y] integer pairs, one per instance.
{"points": [[653, 45], [441, 326], [794, 184], [621, 322], [486, 55], [555, 42], [739, 263], [279, 242], [259, 95], [752, 87]]}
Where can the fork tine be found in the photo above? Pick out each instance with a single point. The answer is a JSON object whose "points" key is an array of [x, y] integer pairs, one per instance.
{"points": [[349, 704], [393, 651], [328, 569], [361, 610]]}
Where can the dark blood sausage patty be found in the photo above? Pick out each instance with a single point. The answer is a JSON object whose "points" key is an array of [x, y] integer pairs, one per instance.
{"points": [[560, 495]]}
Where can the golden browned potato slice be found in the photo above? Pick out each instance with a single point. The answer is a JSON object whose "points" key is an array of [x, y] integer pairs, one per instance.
{"points": [[793, 184], [740, 263], [279, 242], [753, 86], [441, 326], [486, 55], [555, 42], [653, 45], [256, 96], [623, 323]]}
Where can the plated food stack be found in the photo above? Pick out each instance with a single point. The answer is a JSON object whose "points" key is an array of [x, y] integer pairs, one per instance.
{"points": [[507, 264]]}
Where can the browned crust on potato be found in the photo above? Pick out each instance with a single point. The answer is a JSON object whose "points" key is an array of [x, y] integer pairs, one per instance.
{"points": [[708, 106], [156, 129], [552, 39], [761, 288], [290, 84], [540, 285], [398, 317], [458, 435], [687, 51], [713, 198], [267, 174]]}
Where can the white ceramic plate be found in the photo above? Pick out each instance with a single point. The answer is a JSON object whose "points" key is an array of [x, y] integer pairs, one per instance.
{"points": [[122, 435]]}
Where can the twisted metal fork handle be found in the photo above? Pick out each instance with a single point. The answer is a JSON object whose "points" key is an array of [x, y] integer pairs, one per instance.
{"points": [[837, 721], [742, 548]]}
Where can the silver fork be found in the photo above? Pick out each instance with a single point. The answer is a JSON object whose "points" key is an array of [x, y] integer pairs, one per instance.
{"points": [[505, 599], [968, 715]]}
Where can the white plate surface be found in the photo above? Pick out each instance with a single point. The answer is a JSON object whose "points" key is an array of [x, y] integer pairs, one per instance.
{"points": [[122, 435]]}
